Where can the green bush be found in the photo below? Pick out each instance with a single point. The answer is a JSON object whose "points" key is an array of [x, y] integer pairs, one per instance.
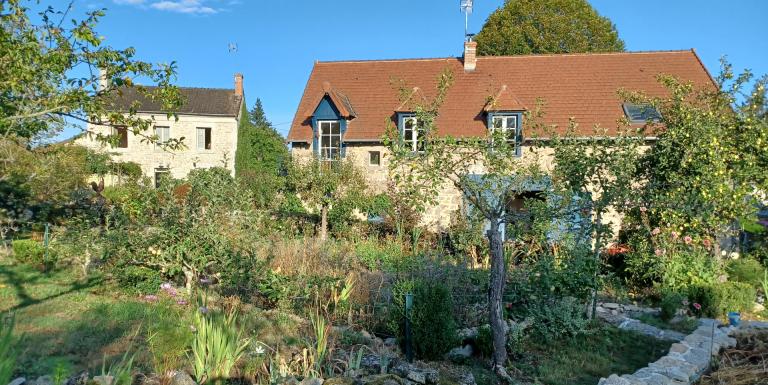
{"points": [[556, 319], [432, 324], [387, 256], [30, 252], [484, 341], [138, 280], [746, 270], [717, 299], [670, 303]]}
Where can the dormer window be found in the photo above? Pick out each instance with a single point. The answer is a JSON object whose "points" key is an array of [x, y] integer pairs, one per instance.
{"points": [[509, 123], [330, 139], [641, 113], [413, 133]]}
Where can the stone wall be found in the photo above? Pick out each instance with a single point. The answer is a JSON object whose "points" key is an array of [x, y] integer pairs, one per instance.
{"points": [[178, 162]]}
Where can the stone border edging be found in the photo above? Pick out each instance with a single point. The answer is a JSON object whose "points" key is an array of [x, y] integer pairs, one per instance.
{"points": [[688, 359]]}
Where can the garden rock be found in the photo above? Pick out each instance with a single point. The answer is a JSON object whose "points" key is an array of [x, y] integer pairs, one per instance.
{"points": [[614, 380], [311, 381], [419, 375], [382, 379], [339, 381], [18, 381], [104, 380], [460, 354], [80, 379], [182, 378], [44, 380]]}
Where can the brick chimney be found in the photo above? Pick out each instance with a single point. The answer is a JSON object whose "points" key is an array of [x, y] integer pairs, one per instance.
{"points": [[470, 55], [239, 84]]}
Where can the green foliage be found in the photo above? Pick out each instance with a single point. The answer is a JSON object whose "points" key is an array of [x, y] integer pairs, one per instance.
{"points": [[121, 370], [746, 270], [717, 299], [484, 341], [7, 349], [669, 305], [51, 74], [138, 279], [556, 319], [521, 27], [168, 336], [261, 157], [432, 324], [386, 255], [217, 345], [31, 252]]}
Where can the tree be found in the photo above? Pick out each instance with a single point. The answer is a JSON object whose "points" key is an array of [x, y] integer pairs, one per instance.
{"points": [[522, 27], [261, 155], [322, 184], [53, 73], [487, 172]]}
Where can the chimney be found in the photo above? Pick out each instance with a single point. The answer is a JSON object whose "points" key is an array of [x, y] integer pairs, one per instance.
{"points": [[103, 84], [239, 84], [470, 54]]}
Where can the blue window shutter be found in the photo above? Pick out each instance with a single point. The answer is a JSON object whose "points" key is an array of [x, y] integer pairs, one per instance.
{"points": [[315, 142], [519, 136], [343, 128]]}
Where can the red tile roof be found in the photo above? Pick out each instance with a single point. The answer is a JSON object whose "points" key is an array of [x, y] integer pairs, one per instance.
{"points": [[582, 86]]}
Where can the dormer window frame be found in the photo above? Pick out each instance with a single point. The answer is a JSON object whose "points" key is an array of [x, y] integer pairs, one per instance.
{"points": [[327, 150], [412, 134], [650, 113], [504, 118]]}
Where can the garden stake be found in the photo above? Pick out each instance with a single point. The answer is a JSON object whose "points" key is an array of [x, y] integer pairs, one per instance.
{"points": [[46, 236], [408, 341]]}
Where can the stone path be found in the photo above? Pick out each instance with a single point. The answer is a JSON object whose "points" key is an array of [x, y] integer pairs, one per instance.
{"points": [[688, 359]]}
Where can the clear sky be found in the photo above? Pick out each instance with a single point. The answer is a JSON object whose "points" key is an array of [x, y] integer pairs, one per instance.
{"points": [[279, 40]]}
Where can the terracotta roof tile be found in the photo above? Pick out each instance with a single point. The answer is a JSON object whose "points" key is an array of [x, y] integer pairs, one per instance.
{"points": [[579, 86]]}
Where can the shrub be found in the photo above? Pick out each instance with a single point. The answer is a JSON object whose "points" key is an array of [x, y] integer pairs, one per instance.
{"points": [[746, 270], [387, 256], [432, 324], [31, 252], [717, 299], [556, 319], [484, 341], [670, 303], [138, 280]]}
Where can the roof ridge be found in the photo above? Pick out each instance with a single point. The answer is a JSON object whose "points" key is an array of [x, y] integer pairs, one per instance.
{"points": [[507, 56], [189, 88]]}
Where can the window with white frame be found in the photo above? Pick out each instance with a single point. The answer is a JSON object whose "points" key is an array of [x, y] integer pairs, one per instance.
{"points": [[507, 124], [163, 134], [414, 134], [330, 139], [203, 138]]}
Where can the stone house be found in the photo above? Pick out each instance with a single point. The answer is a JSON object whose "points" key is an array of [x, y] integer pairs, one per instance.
{"points": [[208, 121], [347, 105]]}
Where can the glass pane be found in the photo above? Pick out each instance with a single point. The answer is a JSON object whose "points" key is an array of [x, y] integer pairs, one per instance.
{"points": [[408, 134], [497, 122], [333, 153], [511, 122], [335, 141], [325, 141], [324, 127], [409, 123], [335, 128]]}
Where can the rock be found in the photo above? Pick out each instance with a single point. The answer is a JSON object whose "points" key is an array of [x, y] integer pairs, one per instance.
{"points": [[182, 378], [467, 334], [18, 381], [311, 381], [382, 379], [758, 308], [460, 354], [392, 341], [104, 380], [339, 381], [80, 379], [611, 305], [44, 380], [614, 380]]}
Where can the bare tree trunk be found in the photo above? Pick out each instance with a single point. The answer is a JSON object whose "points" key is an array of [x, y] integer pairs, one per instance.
{"points": [[323, 223], [495, 296]]}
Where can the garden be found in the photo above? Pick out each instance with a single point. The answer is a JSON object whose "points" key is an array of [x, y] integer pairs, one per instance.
{"points": [[300, 272]]}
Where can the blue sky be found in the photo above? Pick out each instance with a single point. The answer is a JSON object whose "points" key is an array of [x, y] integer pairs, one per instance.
{"points": [[278, 41]]}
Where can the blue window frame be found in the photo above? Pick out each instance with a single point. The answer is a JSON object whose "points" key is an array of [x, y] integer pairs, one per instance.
{"points": [[329, 128], [509, 123]]}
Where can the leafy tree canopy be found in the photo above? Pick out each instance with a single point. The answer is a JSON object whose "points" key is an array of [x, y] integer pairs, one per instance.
{"points": [[55, 70], [521, 27]]}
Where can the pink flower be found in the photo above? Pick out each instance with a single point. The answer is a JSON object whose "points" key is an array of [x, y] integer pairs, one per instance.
{"points": [[688, 239], [707, 242], [181, 302], [150, 298], [675, 235], [659, 252], [656, 231], [643, 209], [697, 306], [166, 286]]}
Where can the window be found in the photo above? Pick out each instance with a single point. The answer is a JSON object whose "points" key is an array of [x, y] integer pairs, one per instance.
{"points": [[507, 124], [374, 158], [641, 113], [163, 135], [330, 139], [413, 133], [161, 174], [203, 138], [122, 136]]}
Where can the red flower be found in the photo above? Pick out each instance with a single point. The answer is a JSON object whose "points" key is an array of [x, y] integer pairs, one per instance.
{"points": [[697, 306]]}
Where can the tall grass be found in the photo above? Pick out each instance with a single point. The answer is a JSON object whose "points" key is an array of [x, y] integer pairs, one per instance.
{"points": [[7, 349], [217, 345]]}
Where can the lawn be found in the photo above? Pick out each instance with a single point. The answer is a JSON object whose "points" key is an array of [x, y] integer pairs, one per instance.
{"points": [[586, 358]]}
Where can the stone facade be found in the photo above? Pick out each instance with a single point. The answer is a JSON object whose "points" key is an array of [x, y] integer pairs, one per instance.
{"points": [[223, 145]]}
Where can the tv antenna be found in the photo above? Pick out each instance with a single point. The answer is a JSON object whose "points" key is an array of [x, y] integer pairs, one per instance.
{"points": [[232, 47], [466, 8]]}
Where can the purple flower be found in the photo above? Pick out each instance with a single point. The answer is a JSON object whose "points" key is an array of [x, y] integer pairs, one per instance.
{"points": [[697, 306], [150, 298], [203, 309], [181, 302], [166, 286], [172, 292]]}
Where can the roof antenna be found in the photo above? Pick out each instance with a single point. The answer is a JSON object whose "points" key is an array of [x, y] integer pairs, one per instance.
{"points": [[232, 47], [466, 8]]}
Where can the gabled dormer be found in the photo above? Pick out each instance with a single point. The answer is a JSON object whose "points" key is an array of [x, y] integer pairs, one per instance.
{"points": [[330, 117], [504, 111]]}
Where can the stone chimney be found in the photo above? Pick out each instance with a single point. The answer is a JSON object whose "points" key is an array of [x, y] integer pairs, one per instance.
{"points": [[239, 84], [470, 55], [102, 80]]}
